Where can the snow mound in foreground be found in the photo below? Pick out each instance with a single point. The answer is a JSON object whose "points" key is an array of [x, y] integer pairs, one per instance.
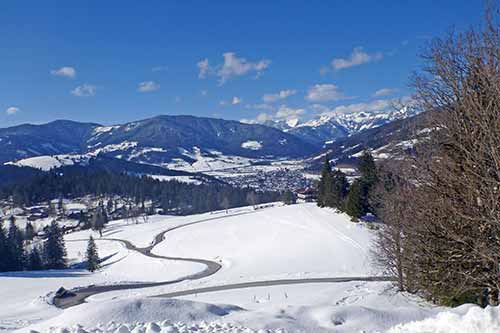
{"points": [[473, 320], [162, 327], [102, 316]]}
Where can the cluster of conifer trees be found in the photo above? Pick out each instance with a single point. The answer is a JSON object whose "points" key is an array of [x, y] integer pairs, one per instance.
{"points": [[171, 196], [20, 252], [335, 191]]}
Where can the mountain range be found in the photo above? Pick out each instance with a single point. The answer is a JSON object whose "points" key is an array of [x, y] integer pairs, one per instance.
{"points": [[332, 126], [198, 144]]}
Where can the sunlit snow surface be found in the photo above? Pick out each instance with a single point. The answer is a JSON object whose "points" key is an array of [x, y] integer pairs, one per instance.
{"points": [[281, 242]]}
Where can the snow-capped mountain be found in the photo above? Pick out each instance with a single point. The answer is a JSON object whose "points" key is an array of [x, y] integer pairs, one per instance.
{"points": [[333, 126], [160, 140]]}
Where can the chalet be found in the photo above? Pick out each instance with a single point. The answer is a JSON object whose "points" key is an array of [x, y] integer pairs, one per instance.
{"points": [[306, 195]]}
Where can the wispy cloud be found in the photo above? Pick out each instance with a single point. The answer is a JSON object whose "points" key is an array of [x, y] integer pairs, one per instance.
{"points": [[12, 110], [283, 94], [357, 57], [231, 67], [378, 105], [283, 113], [384, 92], [85, 90], [69, 72], [234, 101], [148, 86], [324, 93], [203, 68]]}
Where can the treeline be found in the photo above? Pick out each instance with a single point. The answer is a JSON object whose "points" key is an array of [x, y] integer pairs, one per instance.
{"points": [[335, 191], [441, 207], [19, 252], [183, 198]]}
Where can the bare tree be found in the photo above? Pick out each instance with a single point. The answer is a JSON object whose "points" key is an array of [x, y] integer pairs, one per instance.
{"points": [[454, 203]]}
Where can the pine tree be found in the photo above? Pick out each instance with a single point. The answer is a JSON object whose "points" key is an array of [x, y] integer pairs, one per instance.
{"points": [[369, 178], [288, 198], [92, 256], [367, 168], [4, 250], [337, 192], [29, 231], [54, 247], [325, 183], [16, 245], [354, 202], [35, 260]]}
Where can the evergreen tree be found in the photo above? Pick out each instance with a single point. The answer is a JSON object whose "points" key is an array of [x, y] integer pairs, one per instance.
{"points": [[288, 198], [367, 168], [54, 247], [4, 250], [35, 260], [338, 190], [29, 231], [354, 202], [369, 178], [325, 183], [16, 245], [92, 256]]}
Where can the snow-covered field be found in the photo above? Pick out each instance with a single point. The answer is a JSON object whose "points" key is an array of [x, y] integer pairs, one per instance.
{"points": [[281, 242]]}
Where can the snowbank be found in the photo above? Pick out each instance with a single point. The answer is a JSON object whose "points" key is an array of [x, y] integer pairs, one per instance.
{"points": [[465, 319], [134, 312]]}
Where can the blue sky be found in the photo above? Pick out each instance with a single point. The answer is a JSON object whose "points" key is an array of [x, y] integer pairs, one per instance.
{"points": [[117, 61]]}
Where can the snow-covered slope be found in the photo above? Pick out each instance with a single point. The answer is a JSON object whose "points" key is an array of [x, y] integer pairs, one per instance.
{"points": [[279, 242]]}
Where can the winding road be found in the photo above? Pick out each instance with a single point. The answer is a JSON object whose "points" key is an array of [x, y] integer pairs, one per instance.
{"points": [[79, 295]]}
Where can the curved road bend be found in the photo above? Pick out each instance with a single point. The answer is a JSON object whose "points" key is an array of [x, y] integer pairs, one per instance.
{"points": [[81, 294], [270, 283]]}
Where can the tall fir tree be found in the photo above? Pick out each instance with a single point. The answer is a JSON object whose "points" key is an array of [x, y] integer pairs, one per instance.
{"points": [[338, 190], [4, 250], [354, 202], [367, 168], [55, 248], [16, 244], [29, 231], [325, 183], [92, 256], [369, 178], [35, 262]]}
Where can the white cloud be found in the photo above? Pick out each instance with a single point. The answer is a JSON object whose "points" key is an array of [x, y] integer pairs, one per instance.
{"points": [[64, 71], [148, 86], [85, 90], [204, 68], [262, 106], [236, 100], [324, 93], [377, 105], [12, 110], [384, 92], [232, 66], [357, 57], [269, 98], [263, 117], [285, 112]]}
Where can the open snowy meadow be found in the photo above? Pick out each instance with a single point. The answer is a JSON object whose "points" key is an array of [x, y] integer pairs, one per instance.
{"points": [[295, 268]]}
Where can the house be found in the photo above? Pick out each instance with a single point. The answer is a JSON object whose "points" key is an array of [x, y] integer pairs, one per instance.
{"points": [[306, 195]]}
